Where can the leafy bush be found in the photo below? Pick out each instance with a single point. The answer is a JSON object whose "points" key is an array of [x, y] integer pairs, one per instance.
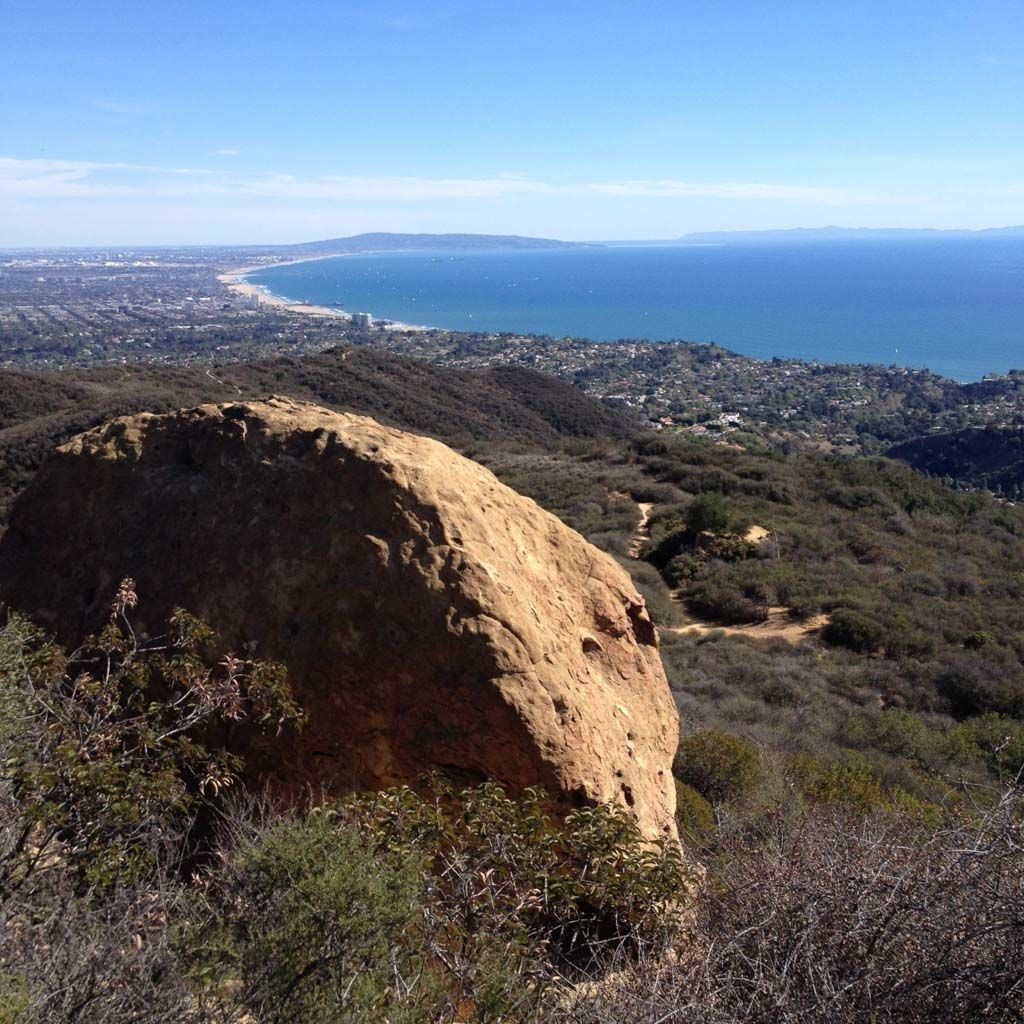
{"points": [[979, 638], [718, 766], [726, 602], [850, 782], [390, 906], [101, 746], [679, 569], [596, 883], [694, 815], [973, 687], [856, 630], [708, 512], [312, 924]]}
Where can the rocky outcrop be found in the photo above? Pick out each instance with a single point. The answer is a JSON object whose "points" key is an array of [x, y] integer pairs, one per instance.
{"points": [[430, 617]]}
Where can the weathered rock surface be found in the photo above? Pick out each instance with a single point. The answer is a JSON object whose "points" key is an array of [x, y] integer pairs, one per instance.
{"points": [[431, 617]]}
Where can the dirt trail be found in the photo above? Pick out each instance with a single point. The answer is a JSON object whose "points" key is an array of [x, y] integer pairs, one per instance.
{"points": [[778, 626], [642, 532]]}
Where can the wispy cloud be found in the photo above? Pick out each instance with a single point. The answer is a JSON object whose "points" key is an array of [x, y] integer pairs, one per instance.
{"points": [[669, 189], [226, 152], [64, 179], [55, 180]]}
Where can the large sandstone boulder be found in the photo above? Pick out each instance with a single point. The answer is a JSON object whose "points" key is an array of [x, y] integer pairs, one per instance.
{"points": [[431, 617]]}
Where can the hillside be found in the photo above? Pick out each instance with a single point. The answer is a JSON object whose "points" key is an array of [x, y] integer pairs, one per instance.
{"points": [[40, 410], [921, 585], [382, 241], [862, 759], [992, 458]]}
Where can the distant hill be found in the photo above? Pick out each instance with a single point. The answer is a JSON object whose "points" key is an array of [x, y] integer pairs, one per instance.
{"points": [[381, 241], [842, 234], [992, 458], [504, 404]]}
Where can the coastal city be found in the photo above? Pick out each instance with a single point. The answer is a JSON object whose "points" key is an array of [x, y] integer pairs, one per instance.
{"points": [[79, 308]]}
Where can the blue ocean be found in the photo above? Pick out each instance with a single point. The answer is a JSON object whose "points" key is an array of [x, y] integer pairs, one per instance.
{"points": [[953, 305]]}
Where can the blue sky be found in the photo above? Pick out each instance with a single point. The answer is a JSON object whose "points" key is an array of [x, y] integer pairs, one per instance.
{"points": [[187, 121]]}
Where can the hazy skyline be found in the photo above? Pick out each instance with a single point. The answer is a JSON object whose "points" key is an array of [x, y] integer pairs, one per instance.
{"points": [[273, 122]]}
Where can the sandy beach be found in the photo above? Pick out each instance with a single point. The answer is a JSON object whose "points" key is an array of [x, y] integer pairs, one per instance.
{"points": [[235, 280]]}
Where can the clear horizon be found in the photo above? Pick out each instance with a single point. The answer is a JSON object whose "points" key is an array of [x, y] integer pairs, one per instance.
{"points": [[128, 244], [228, 125]]}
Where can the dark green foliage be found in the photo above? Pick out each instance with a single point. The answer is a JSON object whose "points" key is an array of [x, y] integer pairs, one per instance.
{"points": [[102, 747], [694, 815], [856, 630], [680, 568], [719, 767], [727, 603], [389, 906], [707, 512], [38, 411], [992, 457], [978, 686], [603, 886], [848, 781], [991, 741], [314, 925]]}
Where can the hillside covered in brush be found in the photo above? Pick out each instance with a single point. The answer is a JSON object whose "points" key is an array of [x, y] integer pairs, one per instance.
{"points": [[992, 458], [504, 404], [842, 636]]}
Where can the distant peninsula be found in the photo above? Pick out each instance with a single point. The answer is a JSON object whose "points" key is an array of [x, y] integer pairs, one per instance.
{"points": [[842, 234], [382, 241]]}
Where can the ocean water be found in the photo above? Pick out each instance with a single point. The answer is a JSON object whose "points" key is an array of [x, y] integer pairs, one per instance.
{"points": [[955, 306]]}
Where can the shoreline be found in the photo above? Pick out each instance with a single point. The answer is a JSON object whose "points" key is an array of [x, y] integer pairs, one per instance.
{"points": [[235, 280]]}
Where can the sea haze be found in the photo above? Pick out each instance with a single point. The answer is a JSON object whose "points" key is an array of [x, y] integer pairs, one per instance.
{"points": [[953, 305]]}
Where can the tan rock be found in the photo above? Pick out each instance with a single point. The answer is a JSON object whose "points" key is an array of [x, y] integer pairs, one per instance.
{"points": [[431, 617]]}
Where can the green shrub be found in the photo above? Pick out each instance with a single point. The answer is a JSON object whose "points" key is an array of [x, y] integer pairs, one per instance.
{"points": [[679, 569], [103, 748], [995, 739], [978, 639], [725, 602], [390, 906], [718, 766], [973, 686], [603, 886], [312, 924], [732, 549], [708, 512], [695, 817], [900, 734], [14, 998], [855, 630], [850, 781]]}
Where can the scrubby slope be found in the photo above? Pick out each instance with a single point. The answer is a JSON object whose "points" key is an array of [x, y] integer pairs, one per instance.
{"points": [[41, 410]]}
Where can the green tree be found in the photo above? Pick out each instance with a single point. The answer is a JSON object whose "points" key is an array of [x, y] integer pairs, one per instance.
{"points": [[718, 766], [707, 512]]}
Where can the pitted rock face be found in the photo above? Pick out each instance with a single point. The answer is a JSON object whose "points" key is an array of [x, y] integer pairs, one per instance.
{"points": [[430, 617]]}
